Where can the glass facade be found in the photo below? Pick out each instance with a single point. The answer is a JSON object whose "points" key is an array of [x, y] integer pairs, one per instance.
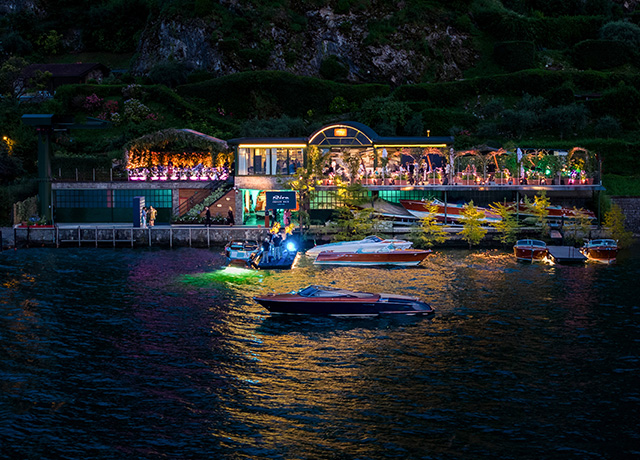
{"points": [[155, 198], [83, 199], [269, 161], [111, 198]]}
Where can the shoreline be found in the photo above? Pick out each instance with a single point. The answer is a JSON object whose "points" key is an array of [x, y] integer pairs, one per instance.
{"points": [[169, 236]]}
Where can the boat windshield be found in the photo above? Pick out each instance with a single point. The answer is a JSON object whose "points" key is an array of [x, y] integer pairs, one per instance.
{"points": [[373, 239], [324, 291], [605, 242], [537, 243]]}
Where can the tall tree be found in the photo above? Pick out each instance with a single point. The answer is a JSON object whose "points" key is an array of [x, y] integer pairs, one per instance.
{"points": [[540, 212], [508, 225], [614, 223], [472, 231], [429, 231], [305, 180]]}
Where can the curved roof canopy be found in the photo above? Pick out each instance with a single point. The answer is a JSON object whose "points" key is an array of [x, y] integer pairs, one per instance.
{"points": [[346, 134], [349, 133]]}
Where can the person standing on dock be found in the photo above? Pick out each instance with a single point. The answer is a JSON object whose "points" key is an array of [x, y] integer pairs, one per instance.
{"points": [[207, 217], [266, 249], [277, 245], [152, 215], [230, 219], [144, 217]]}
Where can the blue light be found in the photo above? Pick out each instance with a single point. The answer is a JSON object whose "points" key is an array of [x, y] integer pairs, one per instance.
{"points": [[291, 247]]}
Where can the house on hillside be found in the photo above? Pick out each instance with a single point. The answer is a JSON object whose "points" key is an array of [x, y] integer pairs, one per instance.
{"points": [[62, 74]]}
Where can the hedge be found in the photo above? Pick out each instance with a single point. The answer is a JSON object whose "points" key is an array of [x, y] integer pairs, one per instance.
{"points": [[514, 56], [440, 121], [601, 54], [265, 94]]}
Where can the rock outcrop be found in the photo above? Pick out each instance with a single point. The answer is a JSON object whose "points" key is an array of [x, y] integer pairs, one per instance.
{"points": [[444, 54]]}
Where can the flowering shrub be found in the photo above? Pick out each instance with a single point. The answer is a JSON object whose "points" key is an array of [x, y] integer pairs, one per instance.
{"points": [[136, 112], [132, 91], [109, 109], [93, 103]]}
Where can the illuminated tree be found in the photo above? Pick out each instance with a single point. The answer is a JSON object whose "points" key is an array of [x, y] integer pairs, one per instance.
{"points": [[429, 231], [576, 229], [472, 231], [540, 212], [614, 223], [305, 181], [508, 225]]}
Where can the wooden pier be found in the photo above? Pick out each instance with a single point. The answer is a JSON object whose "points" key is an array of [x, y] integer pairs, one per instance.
{"points": [[566, 255]]}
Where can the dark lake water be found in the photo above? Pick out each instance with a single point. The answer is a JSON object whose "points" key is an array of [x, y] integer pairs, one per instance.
{"points": [[161, 354]]}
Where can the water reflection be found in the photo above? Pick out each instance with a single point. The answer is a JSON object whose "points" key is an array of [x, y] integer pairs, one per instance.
{"points": [[164, 354]]}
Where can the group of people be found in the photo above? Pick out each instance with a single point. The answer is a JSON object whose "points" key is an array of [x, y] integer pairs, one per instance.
{"points": [[170, 172], [416, 172], [273, 246], [148, 216], [208, 221]]}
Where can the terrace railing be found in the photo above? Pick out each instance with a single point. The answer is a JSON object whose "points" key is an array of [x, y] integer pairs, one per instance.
{"points": [[215, 187]]}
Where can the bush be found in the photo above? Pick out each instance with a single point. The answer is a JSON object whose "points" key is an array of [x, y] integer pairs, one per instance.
{"points": [[622, 31], [600, 54], [287, 94], [332, 68], [514, 56], [170, 74]]}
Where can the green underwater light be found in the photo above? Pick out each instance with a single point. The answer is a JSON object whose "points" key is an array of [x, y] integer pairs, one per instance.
{"points": [[230, 274]]}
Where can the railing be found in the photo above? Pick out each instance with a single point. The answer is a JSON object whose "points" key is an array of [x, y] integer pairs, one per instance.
{"points": [[89, 175], [221, 187], [462, 180]]}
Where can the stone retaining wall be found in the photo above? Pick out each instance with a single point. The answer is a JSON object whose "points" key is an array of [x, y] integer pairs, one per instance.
{"points": [[631, 208]]}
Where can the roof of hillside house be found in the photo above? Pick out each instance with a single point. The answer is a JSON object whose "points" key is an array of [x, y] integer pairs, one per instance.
{"points": [[66, 70]]}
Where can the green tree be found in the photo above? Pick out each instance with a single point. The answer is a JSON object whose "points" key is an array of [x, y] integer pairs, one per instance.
{"points": [[566, 119], [306, 180], [429, 231], [10, 73], [576, 229], [540, 212], [614, 223], [354, 224], [472, 231], [623, 31], [50, 43], [508, 225], [385, 113]]}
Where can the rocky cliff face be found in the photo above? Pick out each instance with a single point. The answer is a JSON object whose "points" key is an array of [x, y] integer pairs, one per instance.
{"points": [[13, 6], [444, 53]]}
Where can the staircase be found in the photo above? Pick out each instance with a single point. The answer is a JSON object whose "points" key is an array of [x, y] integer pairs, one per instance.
{"points": [[218, 188]]}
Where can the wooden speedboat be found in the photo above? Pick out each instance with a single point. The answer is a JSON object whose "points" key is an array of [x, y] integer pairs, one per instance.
{"points": [[238, 251], [603, 250], [321, 300], [530, 250], [370, 243], [452, 211], [390, 257]]}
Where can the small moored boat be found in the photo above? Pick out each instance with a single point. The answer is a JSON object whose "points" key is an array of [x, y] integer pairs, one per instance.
{"points": [[603, 250], [389, 257], [370, 243], [321, 300], [530, 250], [238, 251]]}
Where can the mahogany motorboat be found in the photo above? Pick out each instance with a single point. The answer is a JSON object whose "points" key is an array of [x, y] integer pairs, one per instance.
{"points": [[603, 250], [452, 211], [322, 300], [388, 257], [530, 250]]}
